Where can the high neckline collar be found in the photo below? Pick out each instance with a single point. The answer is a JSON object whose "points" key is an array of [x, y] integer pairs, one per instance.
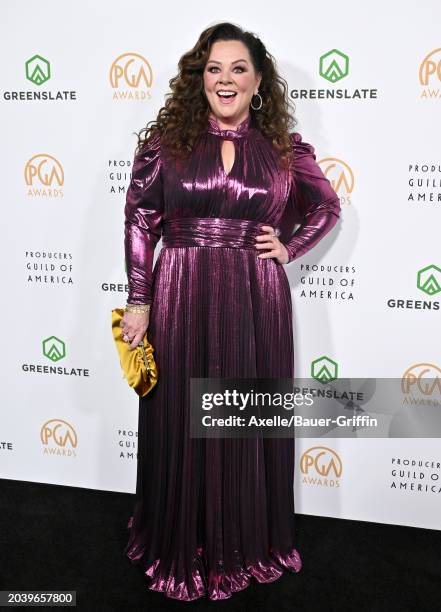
{"points": [[239, 132]]}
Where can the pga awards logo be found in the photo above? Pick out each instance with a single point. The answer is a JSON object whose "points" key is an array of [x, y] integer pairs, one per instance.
{"points": [[58, 438], [131, 77], [321, 466], [44, 176], [430, 75]]}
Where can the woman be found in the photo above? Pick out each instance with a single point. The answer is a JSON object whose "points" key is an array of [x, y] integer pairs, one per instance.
{"points": [[222, 180]]}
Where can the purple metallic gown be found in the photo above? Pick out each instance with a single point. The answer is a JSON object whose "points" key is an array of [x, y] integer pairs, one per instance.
{"points": [[212, 513]]}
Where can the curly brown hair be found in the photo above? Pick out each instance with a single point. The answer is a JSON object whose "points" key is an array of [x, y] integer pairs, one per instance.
{"points": [[184, 115]]}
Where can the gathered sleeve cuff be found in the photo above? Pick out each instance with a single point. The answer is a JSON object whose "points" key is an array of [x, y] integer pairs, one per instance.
{"points": [[143, 213], [312, 201]]}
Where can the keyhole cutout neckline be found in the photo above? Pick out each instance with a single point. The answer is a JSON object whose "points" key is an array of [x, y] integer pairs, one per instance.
{"points": [[222, 158], [226, 134]]}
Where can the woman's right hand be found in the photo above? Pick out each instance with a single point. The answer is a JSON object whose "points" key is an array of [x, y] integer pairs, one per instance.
{"points": [[135, 326]]}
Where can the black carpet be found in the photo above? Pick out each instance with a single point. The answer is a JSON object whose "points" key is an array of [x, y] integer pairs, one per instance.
{"points": [[55, 537]]}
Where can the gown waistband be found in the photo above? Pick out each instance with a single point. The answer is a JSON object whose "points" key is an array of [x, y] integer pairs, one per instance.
{"points": [[211, 231]]}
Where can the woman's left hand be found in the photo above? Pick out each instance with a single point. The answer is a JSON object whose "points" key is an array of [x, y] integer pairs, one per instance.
{"points": [[269, 240]]}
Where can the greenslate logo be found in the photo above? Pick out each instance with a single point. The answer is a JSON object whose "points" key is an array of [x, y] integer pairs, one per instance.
{"points": [[54, 348], [38, 70], [334, 65], [429, 279], [324, 369]]}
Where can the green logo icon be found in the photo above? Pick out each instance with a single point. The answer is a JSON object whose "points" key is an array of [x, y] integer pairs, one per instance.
{"points": [[324, 369], [429, 279], [38, 70], [54, 348], [334, 65]]}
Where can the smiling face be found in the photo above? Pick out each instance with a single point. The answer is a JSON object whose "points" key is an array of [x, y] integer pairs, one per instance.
{"points": [[229, 71]]}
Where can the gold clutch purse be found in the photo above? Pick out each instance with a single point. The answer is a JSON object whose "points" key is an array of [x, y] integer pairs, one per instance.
{"points": [[138, 365]]}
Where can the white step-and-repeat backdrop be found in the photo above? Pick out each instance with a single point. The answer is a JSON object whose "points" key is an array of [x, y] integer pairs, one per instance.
{"points": [[366, 81]]}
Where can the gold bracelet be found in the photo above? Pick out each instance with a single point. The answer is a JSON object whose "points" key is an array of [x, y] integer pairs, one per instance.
{"points": [[137, 308]]}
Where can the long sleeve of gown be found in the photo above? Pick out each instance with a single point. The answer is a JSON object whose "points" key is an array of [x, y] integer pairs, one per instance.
{"points": [[143, 220], [312, 201]]}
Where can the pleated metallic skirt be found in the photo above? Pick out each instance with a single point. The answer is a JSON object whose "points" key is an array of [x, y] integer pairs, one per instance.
{"points": [[212, 513]]}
